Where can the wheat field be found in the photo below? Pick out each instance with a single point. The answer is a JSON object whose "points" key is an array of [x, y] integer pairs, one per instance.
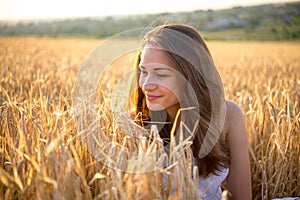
{"points": [[43, 156]]}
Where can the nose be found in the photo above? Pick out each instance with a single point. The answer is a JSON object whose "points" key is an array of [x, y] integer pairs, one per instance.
{"points": [[148, 84]]}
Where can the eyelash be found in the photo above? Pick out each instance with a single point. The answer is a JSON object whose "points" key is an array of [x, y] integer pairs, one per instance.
{"points": [[143, 72], [159, 75], [162, 75]]}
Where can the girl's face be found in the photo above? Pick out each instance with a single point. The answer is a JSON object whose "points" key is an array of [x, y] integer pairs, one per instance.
{"points": [[159, 81]]}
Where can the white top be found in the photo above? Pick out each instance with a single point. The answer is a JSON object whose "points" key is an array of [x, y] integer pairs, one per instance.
{"points": [[210, 187]]}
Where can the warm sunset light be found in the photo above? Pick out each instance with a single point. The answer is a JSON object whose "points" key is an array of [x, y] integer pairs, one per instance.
{"points": [[34, 9], [150, 99]]}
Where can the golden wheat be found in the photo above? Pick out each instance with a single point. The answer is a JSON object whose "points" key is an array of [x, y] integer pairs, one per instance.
{"points": [[43, 156]]}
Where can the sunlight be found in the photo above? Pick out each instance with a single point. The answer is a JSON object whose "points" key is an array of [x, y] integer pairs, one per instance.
{"points": [[34, 9]]}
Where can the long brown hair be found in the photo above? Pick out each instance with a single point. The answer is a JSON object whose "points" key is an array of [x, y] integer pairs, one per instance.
{"points": [[192, 59]]}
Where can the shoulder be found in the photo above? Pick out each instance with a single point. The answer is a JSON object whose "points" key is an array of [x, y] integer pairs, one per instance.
{"points": [[234, 122], [235, 126], [233, 109], [239, 178]]}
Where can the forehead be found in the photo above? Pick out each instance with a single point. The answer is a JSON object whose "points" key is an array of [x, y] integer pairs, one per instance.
{"points": [[152, 55]]}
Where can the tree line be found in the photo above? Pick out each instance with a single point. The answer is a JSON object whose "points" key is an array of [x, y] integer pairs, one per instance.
{"points": [[264, 22]]}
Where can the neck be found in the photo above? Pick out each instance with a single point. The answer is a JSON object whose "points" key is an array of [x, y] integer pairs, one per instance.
{"points": [[172, 112]]}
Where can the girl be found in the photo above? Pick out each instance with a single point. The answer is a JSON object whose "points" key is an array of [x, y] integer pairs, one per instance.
{"points": [[176, 76]]}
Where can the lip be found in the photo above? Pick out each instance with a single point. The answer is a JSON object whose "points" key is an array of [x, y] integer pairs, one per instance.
{"points": [[152, 97]]}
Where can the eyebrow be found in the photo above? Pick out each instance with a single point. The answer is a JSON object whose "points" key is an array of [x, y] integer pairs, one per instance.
{"points": [[157, 68]]}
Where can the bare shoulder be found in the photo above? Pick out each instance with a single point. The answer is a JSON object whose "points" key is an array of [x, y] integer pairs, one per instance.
{"points": [[233, 109], [239, 178], [234, 117]]}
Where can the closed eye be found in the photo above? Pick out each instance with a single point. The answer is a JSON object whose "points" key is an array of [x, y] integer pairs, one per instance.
{"points": [[163, 75], [142, 71]]}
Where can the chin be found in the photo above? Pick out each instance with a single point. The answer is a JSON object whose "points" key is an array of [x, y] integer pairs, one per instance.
{"points": [[155, 107]]}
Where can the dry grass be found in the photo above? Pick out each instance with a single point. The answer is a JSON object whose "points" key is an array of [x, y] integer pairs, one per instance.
{"points": [[43, 156]]}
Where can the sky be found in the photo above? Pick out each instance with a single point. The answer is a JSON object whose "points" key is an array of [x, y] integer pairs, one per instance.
{"points": [[61, 9]]}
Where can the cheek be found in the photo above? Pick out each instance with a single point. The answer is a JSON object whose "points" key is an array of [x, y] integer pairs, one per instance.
{"points": [[177, 89], [174, 88], [141, 81]]}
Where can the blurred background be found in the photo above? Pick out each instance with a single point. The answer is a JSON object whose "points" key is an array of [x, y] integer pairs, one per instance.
{"points": [[215, 19], [42, 155]]}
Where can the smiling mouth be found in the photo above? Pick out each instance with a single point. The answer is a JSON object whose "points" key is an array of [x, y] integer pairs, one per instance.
{"points": [[152, 97]]}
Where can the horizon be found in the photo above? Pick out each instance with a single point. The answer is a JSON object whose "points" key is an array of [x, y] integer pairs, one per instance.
{"points": [[17, 12]]}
